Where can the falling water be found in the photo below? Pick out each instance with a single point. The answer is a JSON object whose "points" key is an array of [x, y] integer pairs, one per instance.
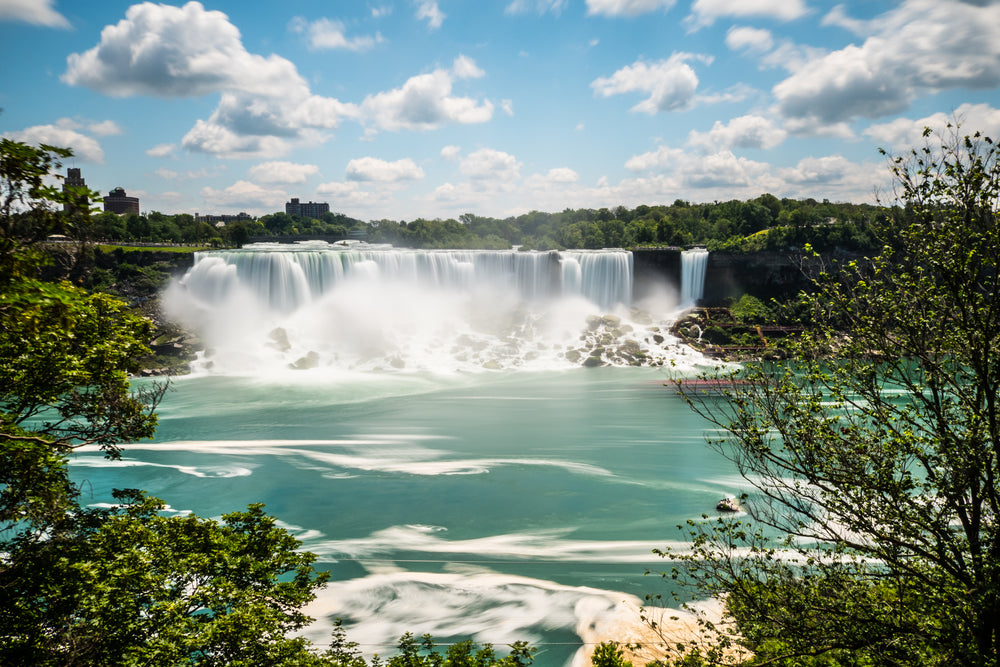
{"points": [[694, 263], [270, 307]]}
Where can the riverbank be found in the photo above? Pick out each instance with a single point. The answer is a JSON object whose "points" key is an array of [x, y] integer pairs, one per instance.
{"points": [[652, 634]]}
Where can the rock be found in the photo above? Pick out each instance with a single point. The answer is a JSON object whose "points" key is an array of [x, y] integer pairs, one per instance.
{"points": [[611, 321], [593, 362], [573, 355], [279, 339], [728, 505], [658, 339], [311, 360]]}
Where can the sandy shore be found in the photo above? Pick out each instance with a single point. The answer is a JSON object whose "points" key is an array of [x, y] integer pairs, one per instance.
{"points": [[640, 642]]}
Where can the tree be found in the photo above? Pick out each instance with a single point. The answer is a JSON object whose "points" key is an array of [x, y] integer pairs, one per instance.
{"points": [[124, 585], [871, 528]]}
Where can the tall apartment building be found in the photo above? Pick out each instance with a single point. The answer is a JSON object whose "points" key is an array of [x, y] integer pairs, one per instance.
{"points": [[310, 209], [74, 180], [118, 202]]}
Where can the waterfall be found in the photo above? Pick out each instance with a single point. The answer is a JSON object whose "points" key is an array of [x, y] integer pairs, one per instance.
{"points": [[694, 263], [367, 307], [286, 277]]}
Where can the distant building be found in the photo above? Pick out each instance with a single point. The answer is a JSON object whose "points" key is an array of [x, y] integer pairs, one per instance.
{"points": [[310, 209], [118, 202], [74, 180], [224, 219]]}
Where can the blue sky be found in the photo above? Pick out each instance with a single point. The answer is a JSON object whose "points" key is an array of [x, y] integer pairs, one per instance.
{"points": [[421, 108]]}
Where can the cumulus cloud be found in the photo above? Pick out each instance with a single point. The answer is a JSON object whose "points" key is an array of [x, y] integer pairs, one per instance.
{"points": [[670, 83], [922, 46], [490, 164], [161, 150], [64, 133], [450, 152], [427, 10], [705, 12], [663, 157], [349, 195], [244, 195], [105, 128], [904, 133], [328, 34], [743, 38], [558, 177], [744, 132], [425, 101], [539, 6], [838, 17], [282, 172], [36, 12], [626, 7], [381, 171], [167, 51], [812, 170]]}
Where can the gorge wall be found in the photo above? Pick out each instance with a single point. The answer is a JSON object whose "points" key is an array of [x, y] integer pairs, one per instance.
{"points": [[765, 275]]}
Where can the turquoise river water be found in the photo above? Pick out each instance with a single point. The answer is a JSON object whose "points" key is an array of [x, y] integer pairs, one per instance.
{"points": [[497, 505]]}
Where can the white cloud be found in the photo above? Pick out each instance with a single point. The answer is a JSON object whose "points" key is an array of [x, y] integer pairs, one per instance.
{"points": [[167, 51], [705, 12], [465, 67], [507, 106], [663, 157], [556, 177], [744, 132], [282, 172], [670, 83], [626, 7], [425, 101], [904, 133], [161, 150], [167, 174], [349, 195], [328, 34], [164, 51], [743, 38], [36, 12], [838, 17], [819, 170], [244, 195], [450, 152], [490, 164], [105, 128], [919, 47], [539, 6], [63, 134], [427, 10], [381, 171]]}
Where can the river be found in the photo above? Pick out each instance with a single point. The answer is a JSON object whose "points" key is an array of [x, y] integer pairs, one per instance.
{"points": [[465, 501]]}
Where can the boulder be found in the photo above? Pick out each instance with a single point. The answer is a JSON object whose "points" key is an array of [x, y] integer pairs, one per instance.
{"points": [[728, 505]]}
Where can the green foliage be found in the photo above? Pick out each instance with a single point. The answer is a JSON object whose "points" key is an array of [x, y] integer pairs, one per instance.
{"points": [[749, 309], [129, 586], [609, 654], [871, 534]]}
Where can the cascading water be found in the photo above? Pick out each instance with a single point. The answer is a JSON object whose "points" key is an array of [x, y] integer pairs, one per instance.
{"points": [[694, 264], [271, 307]]}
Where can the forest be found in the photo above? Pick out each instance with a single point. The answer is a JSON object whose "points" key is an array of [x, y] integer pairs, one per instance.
{"points": [[763, 223]]}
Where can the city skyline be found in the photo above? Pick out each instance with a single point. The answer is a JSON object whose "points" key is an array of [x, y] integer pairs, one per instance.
{"points": [[421, 108]]}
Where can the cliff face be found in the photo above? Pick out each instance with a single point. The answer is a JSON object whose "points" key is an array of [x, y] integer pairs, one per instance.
{"points": [[765, 275]]}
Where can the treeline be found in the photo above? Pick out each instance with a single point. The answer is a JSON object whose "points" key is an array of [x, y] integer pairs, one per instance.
{"points": [[764, 223]]}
